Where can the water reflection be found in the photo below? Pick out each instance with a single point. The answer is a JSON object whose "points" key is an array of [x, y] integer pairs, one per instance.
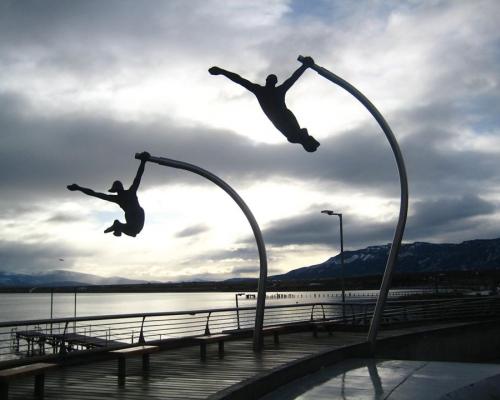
{"points": [[348, 380], [375, 378]]}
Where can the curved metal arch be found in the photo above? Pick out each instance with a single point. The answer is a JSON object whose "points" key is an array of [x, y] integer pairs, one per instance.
{"points": [[261, 290], [403, 179]]}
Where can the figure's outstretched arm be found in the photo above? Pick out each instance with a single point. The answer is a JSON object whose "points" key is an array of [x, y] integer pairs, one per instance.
{"points": [[234, 77], [308, 61], [90, 192], [144, 156]]}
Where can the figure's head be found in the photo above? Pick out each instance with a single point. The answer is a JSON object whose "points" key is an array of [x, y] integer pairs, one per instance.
{"points": [[117, 187], [271, 80]]}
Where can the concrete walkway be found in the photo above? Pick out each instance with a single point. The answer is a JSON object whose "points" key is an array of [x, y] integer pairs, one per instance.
{"points": [[376, 379]]}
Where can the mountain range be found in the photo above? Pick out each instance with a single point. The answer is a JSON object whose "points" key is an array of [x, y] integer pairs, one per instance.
{"points": [[418, 257], [61, 278]]}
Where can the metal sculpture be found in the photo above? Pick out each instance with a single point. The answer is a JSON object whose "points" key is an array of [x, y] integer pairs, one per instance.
{"points": [[261, 290], [403, 210], [126, 199], [272, 101]]}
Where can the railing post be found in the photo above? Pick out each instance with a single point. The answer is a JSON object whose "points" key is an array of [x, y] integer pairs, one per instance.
{"points": [[74, 314], [207, 329], [141, 335], [62, 349]]}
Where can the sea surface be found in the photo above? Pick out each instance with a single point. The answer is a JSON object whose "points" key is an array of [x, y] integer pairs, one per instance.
{"points": [[27, 306]]}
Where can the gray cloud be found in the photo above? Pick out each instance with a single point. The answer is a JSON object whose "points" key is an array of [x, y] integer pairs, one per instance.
{"points": [[243, 253], [192, 231], [91, 38], [36, 256], [443, 210], [429, 220], [44, 154], [237, 271], [60, 217]]}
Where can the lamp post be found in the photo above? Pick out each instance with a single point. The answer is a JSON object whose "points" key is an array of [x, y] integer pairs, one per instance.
{"points": [[403, 181], [330, 212], [236, 295], [261, 289]]}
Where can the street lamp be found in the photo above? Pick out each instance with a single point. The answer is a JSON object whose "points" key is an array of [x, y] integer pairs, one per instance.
{"points": [[330, 212]]}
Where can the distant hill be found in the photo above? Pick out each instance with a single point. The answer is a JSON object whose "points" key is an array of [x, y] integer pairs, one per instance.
{"points": [[61, 278], [418, 257]]}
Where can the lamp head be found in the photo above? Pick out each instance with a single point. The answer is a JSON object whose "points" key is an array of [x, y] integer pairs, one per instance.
{"points": [[328, 212]]}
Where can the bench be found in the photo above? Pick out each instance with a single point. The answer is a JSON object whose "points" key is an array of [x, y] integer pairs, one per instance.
{"points": [[321, 325], [275, 331], [205, 339], [123, 354], [37, 369]]}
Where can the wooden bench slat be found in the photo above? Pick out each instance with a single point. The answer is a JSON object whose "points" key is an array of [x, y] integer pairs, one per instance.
{"points": [[23, 370], [130, 351], [213, 338]]}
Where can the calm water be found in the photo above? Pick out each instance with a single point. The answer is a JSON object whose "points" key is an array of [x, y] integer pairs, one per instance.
{"points": [[24, 306]]}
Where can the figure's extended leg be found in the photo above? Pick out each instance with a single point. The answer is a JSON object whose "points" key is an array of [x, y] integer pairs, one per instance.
{"points": [[116, 228], [302, 136], [308, 142], [290, 127]]}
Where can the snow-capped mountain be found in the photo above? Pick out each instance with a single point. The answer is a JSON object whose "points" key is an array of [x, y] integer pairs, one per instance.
{"points": [[413, 258]]}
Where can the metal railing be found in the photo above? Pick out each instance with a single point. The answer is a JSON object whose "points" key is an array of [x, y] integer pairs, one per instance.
{"points": [[62, 335], [19, 339]]}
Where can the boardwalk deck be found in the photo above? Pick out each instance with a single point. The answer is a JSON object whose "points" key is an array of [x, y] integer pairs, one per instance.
{"points": [[179, 373]]}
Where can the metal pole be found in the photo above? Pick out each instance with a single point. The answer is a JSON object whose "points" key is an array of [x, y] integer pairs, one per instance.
{"points": [[51, 303], [51, 308], [237, 310], [403, 210], [261, 290], [342, 266], [74, 322]]}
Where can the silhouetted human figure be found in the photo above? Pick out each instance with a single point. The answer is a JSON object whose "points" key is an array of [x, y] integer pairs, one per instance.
{"points": [[272, 101], [126, 199]]}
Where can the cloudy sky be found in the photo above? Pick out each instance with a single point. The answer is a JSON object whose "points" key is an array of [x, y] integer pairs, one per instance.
{"points": [[84, 85]]}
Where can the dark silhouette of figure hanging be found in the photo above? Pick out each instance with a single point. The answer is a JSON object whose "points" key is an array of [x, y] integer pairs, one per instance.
{"points": [[272, 101], [126, 199]]}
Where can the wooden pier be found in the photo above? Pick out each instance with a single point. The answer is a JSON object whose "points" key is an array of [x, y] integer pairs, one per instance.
{"points": [[179, 373], [38, 341]]}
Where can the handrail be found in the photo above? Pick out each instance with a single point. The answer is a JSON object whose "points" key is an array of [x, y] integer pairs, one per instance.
{"points": [[153, 314], [205, 311], [118, 329]]}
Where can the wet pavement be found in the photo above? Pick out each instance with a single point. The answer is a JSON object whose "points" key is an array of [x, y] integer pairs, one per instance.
{"points": [[374, 379]]}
